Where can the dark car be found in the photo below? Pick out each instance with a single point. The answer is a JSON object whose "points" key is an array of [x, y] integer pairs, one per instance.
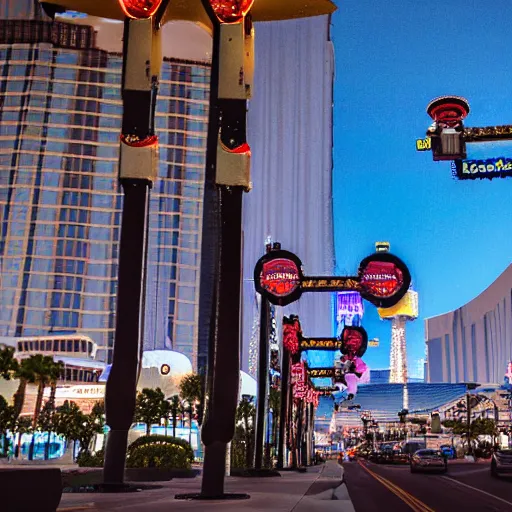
{"points": [[501, 463], [429, 460]]}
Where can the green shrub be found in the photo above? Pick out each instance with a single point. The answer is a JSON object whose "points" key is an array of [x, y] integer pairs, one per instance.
{"points": [[161, 455], [86, 460], [162, 440]]}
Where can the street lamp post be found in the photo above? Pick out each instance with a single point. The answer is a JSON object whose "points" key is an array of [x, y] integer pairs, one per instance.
{"points": [[137, 172], [263, 381], [284, 407]]}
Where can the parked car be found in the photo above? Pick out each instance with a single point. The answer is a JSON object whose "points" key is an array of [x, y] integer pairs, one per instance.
{"points": [[429, 460], [501, 463]]}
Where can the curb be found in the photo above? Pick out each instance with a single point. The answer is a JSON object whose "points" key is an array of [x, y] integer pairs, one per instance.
{"points": [[341, 494]]}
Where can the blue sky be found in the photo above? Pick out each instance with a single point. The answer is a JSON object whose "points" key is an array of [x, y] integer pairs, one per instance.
{"points": [[392, 58]]}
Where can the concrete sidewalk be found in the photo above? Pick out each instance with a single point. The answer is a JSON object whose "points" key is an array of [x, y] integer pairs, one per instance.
{"points": [[320, 488]]}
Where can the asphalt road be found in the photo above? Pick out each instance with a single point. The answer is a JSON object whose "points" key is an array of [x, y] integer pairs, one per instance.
{"points": [[466, 487]]}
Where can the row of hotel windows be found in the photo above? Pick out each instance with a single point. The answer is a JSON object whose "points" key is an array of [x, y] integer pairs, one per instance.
{"points": [[77, 346], [76, 375]]}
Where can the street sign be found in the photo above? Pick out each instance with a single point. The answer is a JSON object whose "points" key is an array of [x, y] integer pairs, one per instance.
{"points": [[424, 144], [317, 373], [383, 279], [320, 344], [482, 169]]}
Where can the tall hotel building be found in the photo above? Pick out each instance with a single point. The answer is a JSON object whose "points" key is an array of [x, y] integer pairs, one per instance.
{"points": [[60, 202], [290, 127], [473, 343]]}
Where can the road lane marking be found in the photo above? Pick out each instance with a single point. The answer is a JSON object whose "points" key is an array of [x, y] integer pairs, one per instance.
{"points": [[400, 494], [478, 490], [409, 499]]}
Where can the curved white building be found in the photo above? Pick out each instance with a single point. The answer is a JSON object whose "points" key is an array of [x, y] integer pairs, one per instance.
{"points": [[473, 343]]}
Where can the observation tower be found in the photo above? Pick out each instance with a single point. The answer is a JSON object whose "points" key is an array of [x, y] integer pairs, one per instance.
{"points": [[406, 310]]}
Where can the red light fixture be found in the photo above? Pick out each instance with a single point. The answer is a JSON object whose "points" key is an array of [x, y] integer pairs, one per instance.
{"points": [[139, 9], [231, 11]]}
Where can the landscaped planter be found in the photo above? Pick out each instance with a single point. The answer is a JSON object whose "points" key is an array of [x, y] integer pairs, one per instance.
{"points": [[82, 477], [29, 490]]}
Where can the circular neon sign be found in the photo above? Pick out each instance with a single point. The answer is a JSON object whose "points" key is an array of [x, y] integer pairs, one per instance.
{"points": [[354, 341], [384, 279], [278, 277]]}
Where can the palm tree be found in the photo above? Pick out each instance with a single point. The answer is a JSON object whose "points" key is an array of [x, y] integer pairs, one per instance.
{"points": [[175, 410], [192, 391], [25, 374], [8, 363], [45, 369], [246, 413], [55, 371]]}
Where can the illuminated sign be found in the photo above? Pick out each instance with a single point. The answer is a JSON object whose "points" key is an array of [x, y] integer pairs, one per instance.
{"points": [[291, 333], [354, 341], [383, 279], [92, 391], [349, 304], [300, 387], [165, 369], [278, 277], [482, 169], [320, 344], [315, 373], [326, 390], [424, 144]]}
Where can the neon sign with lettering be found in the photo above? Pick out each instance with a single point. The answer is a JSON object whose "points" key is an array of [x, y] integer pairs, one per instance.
{"points": [[482, 169], [383, 279]]}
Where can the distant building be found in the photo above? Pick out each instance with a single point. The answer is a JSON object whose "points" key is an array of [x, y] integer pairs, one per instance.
{"points": [[380, 376], [473, 343], [290, 133]]}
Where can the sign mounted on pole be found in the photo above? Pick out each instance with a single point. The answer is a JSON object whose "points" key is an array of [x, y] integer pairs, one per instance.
{"points": [[320, 344], [382, 279], [482, 169]]}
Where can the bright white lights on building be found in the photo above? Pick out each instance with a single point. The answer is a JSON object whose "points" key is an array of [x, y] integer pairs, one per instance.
{"points": [[398, 351]]}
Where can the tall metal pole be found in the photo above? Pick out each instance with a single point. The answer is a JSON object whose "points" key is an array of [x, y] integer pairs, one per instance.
{"points": [[261, 411], [468, 407], [137, 171], [227, 161], [283, 413]]}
